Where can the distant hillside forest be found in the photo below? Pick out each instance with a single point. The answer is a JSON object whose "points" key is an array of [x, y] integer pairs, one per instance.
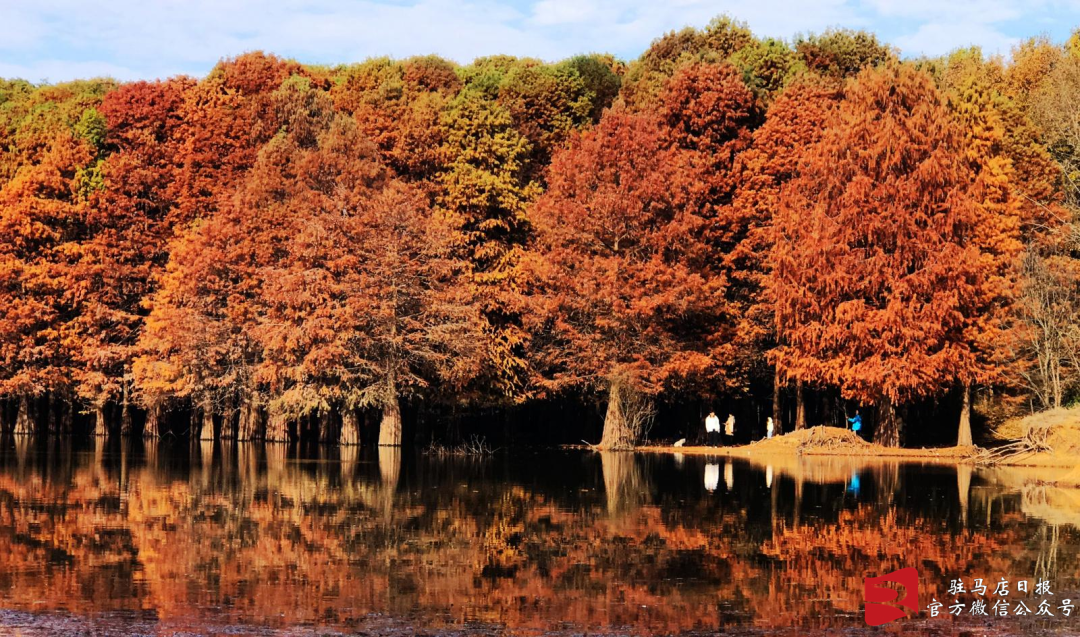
{"points": [[798, 229]]}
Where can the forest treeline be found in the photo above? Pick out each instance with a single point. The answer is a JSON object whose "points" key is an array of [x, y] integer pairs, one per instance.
{"points": [[281, 250]]}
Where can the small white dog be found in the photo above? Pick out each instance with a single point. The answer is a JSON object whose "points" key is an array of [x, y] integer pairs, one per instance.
{"points": [[680, 442]]}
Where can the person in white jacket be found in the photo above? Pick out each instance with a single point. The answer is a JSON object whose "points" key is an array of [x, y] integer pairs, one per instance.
{"points": [[769, 427], [712, 429]]}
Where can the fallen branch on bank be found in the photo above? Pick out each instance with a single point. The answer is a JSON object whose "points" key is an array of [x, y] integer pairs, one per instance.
{"points": [[1036, 439]]}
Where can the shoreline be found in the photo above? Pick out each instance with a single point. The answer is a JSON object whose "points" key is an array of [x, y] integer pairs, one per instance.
{"points": [[952, 455], [836, 443]]}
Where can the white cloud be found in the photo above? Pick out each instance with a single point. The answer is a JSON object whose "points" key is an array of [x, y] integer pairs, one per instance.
{"points": [[937, 38], [949, 11], [552, 12], [61, 70], [62, 39]]}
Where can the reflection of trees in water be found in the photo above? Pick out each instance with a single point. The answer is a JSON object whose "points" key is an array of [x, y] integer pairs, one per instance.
{"points": [[1058, 507], [22, 451], [831, 560], [390, 467], [963, 489], [306, 541], [888, 482], [389, 475], [349, 456], [625, 484], [1046, 564], [205, 451]]}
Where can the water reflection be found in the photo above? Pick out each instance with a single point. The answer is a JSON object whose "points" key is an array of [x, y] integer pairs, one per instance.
{"points": [[712, 476], [272, 535]]}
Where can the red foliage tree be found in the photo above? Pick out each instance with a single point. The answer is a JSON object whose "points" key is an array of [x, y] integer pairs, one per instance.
{"points": [[710, 113], [794, 123], [363, 303], [129, 223], [624, 302], [876, 274], [322, 283], [41, 218]]}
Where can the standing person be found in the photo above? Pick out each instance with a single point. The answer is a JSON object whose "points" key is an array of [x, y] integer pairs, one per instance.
{"points": [[856, 422], [769, 427], [712, 430], [729, 429]]}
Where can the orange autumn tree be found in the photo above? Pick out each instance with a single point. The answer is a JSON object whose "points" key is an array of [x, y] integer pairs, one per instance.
{"points": [[622, 301], [793, 124], [996, 189], [129, 223], [226, 118], [398, 106], [39, 209], [877, 272], [198, 343], [322, 285], [51, 138], [364, 303], [711, 114]]}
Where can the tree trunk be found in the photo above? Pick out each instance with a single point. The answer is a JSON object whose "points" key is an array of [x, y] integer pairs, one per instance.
{"points": [[1056, 376], [228, 419], [125, 414], [258, 421], [101, 423], [67, 420], [350, 428], [277, 426], [777, 429], [963, 438], [54, 409], [152, 428], [24, 422], [887, 431], [327, 433], [5, 420], [800, 406], [206, 431], [248, 428], [390, 427], [616, 433]]}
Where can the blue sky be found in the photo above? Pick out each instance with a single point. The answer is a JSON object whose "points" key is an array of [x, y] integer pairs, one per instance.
{"points": [[57, 40]]}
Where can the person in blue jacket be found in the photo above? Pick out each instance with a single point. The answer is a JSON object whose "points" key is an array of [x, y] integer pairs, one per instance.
{"points": [[856, 422]]}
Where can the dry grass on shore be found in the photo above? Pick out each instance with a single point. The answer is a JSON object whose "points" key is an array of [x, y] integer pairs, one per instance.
{"points": [[823, 441], [1053, 438]]}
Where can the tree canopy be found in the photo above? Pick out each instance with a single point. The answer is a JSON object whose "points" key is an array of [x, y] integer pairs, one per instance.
{"points": [[281, 250]]}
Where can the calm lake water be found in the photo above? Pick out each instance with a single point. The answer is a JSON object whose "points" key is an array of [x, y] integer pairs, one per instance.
{"points": [[170, 538]]}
